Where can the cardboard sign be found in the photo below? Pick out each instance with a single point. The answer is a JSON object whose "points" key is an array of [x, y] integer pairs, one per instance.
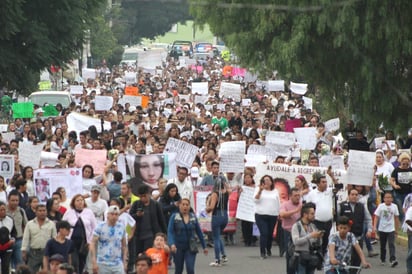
{"points": [[103, 103], [298, 88], [361, 167], [229, 90], [332, 125], [131, 90], [276, 85], [185, 152], [201, 88], [232, 156]]}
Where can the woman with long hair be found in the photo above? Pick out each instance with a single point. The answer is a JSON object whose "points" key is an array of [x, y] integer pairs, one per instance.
{"points": [[181, 232], [303, 186], [28, 176], [267, 203], [3, 193], [53, 212], [83, 223], [170, 201], [217, 204]]}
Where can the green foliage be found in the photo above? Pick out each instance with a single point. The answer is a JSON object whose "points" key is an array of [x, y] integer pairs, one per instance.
{"points": [[358, 54], [37, 33], [147, 19]]}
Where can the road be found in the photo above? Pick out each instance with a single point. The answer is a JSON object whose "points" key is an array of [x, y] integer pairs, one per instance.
{"points": [[246, 260]]}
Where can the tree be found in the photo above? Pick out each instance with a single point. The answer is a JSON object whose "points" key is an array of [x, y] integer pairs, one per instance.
{"points": [[358, 54], [37, 33], [147, 19]]}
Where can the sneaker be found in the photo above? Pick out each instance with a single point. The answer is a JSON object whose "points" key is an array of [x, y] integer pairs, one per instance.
{"points": [[263, 256], [372, 254], [374, 241], [224, 259], [215, 263], [383, 263], [210, 245], [394, 263], [269, 253]]}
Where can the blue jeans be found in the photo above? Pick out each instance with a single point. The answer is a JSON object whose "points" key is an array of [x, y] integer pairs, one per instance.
{"points": [[16, 257], [409, 257], [398, 199], [219, 222], [182, 256], [303, 270], [333, 271], [266, 225]]}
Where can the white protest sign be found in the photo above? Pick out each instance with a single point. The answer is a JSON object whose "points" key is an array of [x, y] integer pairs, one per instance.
{"points": [[185, 152], [103, 103], [298, 88], [276, 85], [246, 102], [76, 89], [220, 106], [232, 156], [88, 73], [29, 154], [79, 122], [250, 77], [335, 161], [201, 99], [48, 159], [361, 167], [279, 149], [332, 124], [280, 137], [121, 166], [8, 136], [47, 180], [253, 159], [246, 205], [379, 142], [6, 166], [130, 78], [132, 100], [185, 97], [262, 150], [229, 90], [187, 134], [4, 127], [308, 102], [289, 173], [201, 88], [391, 144], [306, 137]]}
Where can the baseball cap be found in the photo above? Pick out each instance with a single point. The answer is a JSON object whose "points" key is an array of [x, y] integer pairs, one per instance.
{"points": [[96, 188], [113, 209], [57, 257]]}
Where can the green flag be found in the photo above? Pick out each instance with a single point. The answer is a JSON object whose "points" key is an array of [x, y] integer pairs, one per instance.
{"points": [[50, 110]]}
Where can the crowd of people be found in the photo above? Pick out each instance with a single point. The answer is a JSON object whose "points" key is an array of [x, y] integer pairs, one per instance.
{"points": [[144, 222]]}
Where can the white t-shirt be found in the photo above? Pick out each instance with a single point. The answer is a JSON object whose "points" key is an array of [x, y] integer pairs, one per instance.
{"points": [[268, 203], [386, 216], [385, 170], [408, 217], [324, 204], [99, 207]]}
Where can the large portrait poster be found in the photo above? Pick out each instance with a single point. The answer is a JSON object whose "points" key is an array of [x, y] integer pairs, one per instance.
{"points": [[149, 168], [47, 180]]}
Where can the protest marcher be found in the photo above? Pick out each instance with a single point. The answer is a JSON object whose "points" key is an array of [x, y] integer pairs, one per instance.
{"points": [[36, 234], [247, 227], [108, 249], [59, 245], [401, 181], [322, 197], [218, 207], [83, 223], [289, 212], [387, 225], [143, 264], [95, 203], [267, 204], [170, 201], [53, 213], [215, 177], [7, 238], [359, 216], [341, 246], [305, 236], [149, 219], [159, 254], [184, 186], [182, 229]]}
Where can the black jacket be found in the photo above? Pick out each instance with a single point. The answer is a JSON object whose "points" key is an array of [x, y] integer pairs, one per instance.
{"points": [[156, 216]]}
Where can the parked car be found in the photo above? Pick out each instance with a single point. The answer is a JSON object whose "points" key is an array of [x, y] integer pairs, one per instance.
{"points": [[181, 48]]}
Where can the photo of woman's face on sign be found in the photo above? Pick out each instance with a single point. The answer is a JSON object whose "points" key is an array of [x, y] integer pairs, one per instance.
{"points": [[149, 168]]}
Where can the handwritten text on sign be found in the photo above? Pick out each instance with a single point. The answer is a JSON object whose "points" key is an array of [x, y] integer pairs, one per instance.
{"points": [[185, 152], [232, 155], [361, 163], [246, 205]]}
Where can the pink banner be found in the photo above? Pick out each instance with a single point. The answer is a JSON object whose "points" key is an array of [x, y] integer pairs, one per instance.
{"points": [[291, 124], [95, 158], [238, 72]]}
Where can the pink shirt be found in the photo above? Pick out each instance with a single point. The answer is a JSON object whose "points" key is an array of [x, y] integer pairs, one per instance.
{"points": [[287, 223]]}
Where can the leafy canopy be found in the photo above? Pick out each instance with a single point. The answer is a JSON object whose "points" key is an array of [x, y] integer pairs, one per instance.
{"points": [[358, 54], [37, 33]]}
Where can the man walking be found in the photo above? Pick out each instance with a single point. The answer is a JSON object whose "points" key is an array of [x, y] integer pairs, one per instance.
{"points": [[36, 234], [110, 239]]}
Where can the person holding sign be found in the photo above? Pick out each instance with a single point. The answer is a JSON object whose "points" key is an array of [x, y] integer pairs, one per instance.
{"points": [[266, 214]]}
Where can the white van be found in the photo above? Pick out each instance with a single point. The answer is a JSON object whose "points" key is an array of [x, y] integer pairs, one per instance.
{"points": [[51, 97]]}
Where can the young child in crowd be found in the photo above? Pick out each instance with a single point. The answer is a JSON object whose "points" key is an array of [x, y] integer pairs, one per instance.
{"points": [[340, 249], [387, 216], [159, 254]]}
